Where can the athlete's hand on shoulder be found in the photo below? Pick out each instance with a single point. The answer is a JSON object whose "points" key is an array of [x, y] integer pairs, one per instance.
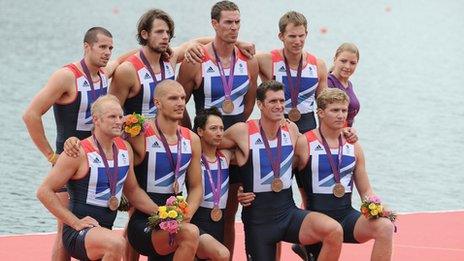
{"points": [[245, 198], [85, 223], [72, 147], [350, 135], [194, 53], [167, 55], [248, 49]]}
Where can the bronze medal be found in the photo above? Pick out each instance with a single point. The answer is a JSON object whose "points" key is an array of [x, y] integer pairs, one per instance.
{"points": [[175, 187], [113, 203], [277, 185], [228, 106], [294, 115], [216, 214], [338, 190]]}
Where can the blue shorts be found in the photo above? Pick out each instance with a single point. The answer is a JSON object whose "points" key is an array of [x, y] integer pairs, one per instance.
{"points": [[347, 219], [139, 237], [74, 242], [202, 219], [261, 239]]}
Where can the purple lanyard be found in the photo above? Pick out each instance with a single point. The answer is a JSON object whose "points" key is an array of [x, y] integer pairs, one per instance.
{"points": [[148, 66], [112, 178], [275, 164], [226, 85], [89, 79], [216, 190], [175, 167], [294, 88], [335, 169]]}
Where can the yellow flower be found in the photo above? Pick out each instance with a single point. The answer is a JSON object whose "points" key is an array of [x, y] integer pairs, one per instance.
{"points": [[127, 129], [163, 215], [380, 208], [372, 206], [172, 214], [374, 212], [135, 130], [162, 209]]}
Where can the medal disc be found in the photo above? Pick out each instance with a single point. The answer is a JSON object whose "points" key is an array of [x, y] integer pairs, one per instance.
{"points": [[228, 106], [113, 203], [216, 214], [339, 190], [277, 185], [294, 114], [175, 187]]}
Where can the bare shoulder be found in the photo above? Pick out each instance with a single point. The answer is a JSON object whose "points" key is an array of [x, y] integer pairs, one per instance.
{"points": [[125, 68]]}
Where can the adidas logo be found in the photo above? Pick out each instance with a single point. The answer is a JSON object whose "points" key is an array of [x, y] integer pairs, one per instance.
{"points": [[258, 141], [86, 84], [147, 76], [155, 145], [318, 148], [210, 70], [96, 160], [282, 69]]}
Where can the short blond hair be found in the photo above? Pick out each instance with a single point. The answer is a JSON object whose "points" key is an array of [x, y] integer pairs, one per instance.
{"points": [[331, 95], [292, 17], [99, 104]]}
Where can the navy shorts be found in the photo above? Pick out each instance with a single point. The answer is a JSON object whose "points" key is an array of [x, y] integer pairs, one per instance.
{"points": [[261, 239], [74, 242], [139, 237], [347, 219], [203, 221]]}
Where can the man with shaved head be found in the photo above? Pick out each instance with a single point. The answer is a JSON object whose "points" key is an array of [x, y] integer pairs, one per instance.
{"points": [[166, 156], [95, 181]]}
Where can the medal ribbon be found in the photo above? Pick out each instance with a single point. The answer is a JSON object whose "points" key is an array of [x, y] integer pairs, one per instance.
{"points": [[294, 87], [275, 164], [175, 167], [216, 190], [112, 178], [150, 70], [89, 79], [226, 85], [335, 169]]}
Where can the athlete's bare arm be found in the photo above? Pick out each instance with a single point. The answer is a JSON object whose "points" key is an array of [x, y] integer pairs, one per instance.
{"points": [[112, 65], [137, 196], [124, 81], [265, 66], [190, 78], [237, 137], [60, 88], [138, 147], [301, 153], [322, 76], [194, 179], [66, 168], [361, 180], [250, 96]]}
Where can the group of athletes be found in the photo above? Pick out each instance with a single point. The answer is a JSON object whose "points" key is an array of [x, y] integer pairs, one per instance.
{"points": [[223, 160]]}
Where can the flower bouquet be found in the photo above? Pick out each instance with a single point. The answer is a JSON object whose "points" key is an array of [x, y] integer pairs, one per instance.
{"points": [[372, 208], [170, 216], [134, 124]]}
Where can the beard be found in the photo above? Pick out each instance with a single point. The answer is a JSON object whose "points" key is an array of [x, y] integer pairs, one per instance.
{"points": [[157, 49]]}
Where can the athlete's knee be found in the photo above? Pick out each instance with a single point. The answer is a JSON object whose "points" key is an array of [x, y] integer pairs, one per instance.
{"points": [[115, 246], [189, 234], [334, 235], [383, 229], [221, 254]]}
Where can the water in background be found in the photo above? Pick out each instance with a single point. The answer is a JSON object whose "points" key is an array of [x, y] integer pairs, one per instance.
{"points": [[409, 82]]}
